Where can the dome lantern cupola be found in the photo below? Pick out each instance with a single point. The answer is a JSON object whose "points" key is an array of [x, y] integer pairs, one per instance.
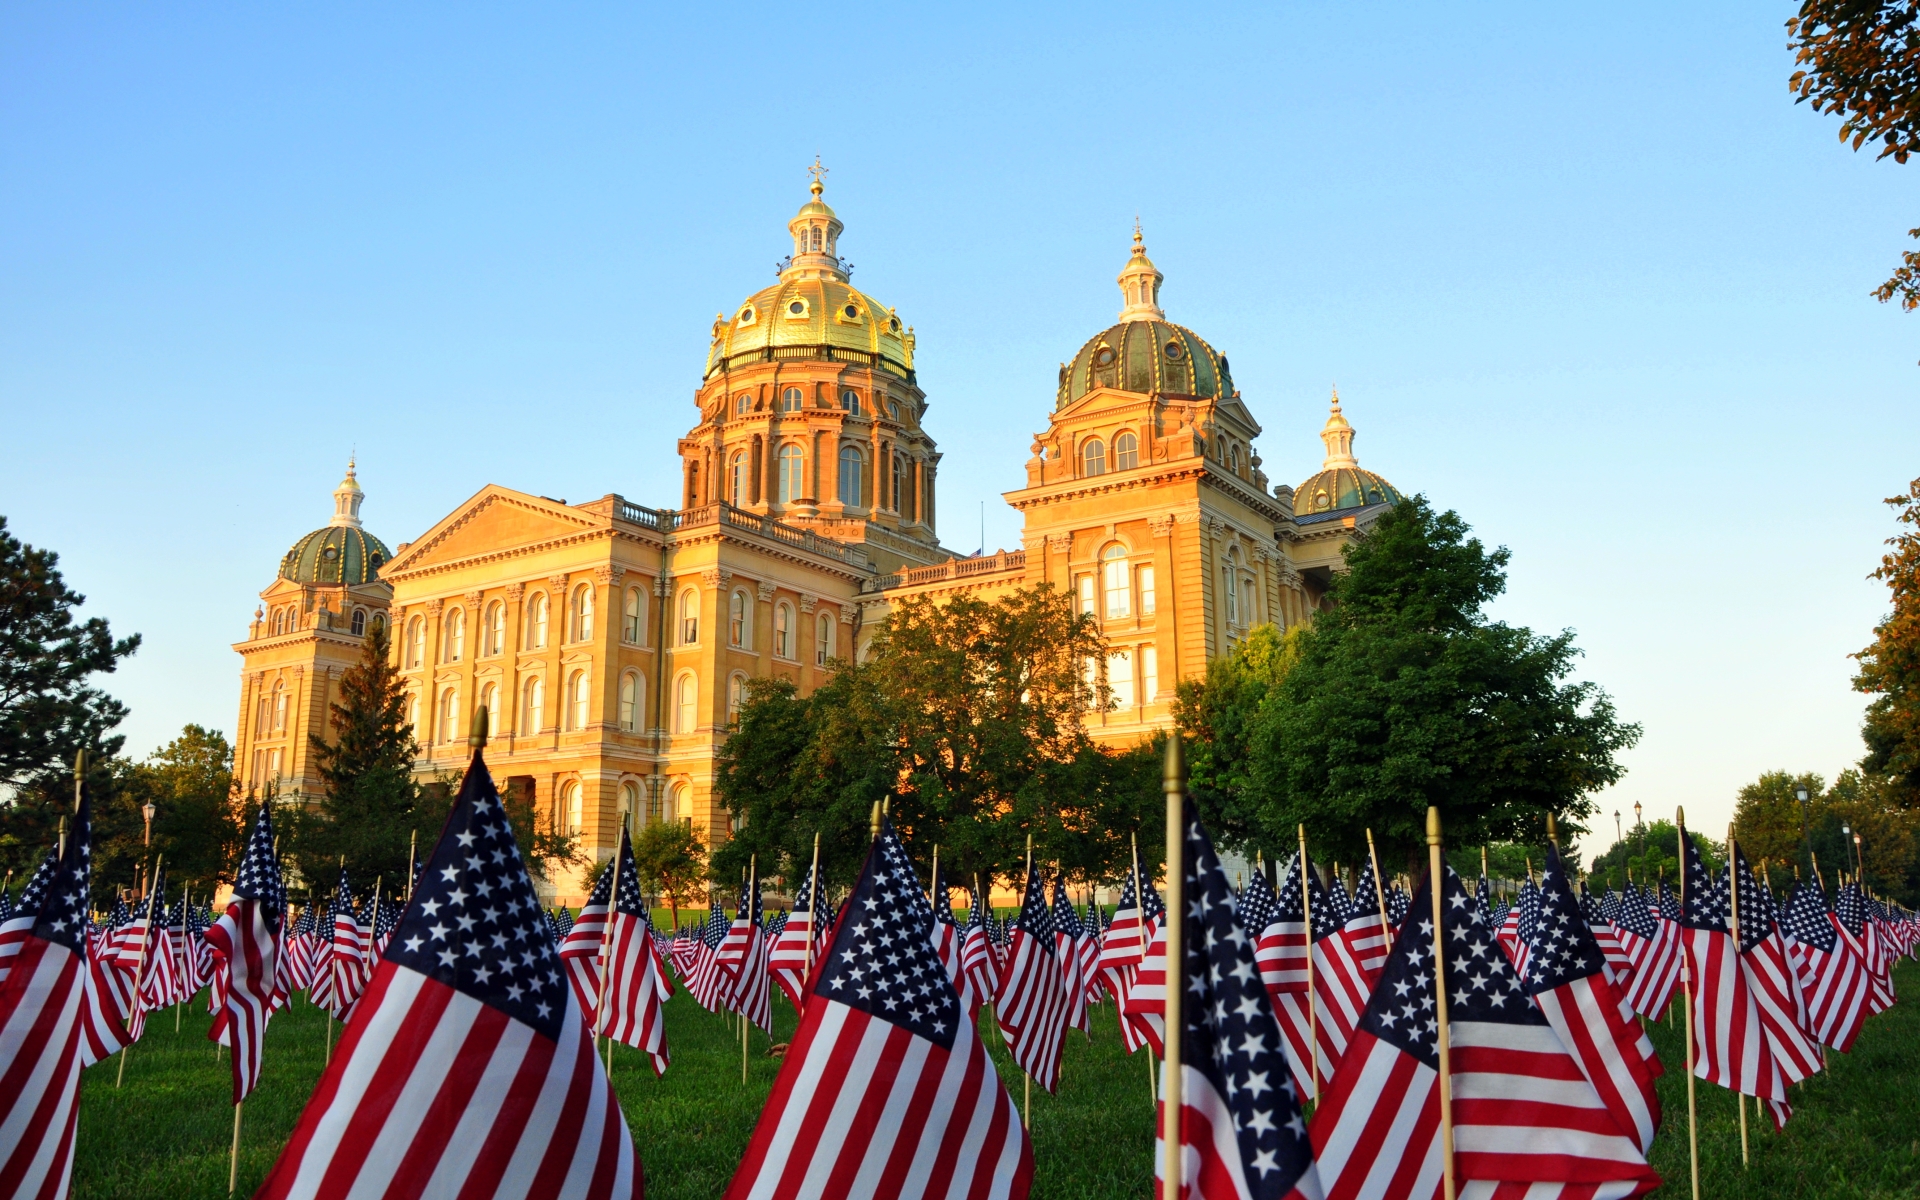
{"points": [[341, 551], [1341, 484], [816, 238], [346, 501], [1140, 284], [1337, 433]]}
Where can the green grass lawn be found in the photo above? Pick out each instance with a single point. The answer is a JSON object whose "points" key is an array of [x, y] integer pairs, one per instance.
{"points": [[166, 1131]]}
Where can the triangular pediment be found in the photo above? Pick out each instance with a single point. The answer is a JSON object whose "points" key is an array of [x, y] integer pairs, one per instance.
{"points": [[495, 519]]}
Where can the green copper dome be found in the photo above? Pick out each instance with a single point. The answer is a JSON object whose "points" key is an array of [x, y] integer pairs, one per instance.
{"points": [[1342, 487], [1146, 356], [335, 554]]}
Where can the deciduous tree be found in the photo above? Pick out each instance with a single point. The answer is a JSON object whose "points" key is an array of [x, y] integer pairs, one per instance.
{"points": [[1890, 667]]}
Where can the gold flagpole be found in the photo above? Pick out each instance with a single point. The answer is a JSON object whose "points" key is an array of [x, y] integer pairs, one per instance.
{"points": [[1026, 1093], [1733, 891], [1686, 981], [140, 969], [813, 898], [1380, 893], [1140, 927], [1313, 1004], [1437, 883], [1172, 1146], [413, 861]]}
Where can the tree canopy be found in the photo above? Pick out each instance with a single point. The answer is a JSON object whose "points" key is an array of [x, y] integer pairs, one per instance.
{"points": [[1890, 667]]}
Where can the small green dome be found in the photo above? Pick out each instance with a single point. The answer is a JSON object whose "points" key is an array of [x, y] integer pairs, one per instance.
{"points": [[1342, 487], [1146, 356], [335, 554]]}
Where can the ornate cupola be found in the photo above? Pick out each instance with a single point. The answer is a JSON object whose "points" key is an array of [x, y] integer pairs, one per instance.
{"points": [[346, 501], [1140, 284], [1337, 433], [1341, 483], [816, 239]]}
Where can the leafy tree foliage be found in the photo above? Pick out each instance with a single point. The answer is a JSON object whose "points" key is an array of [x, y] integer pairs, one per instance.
{"points": [[48, 711], [1216, 716], [197, 823], [1890, 667], [1405, 695], [1651, 851], [1860, 61], [670, 859]]}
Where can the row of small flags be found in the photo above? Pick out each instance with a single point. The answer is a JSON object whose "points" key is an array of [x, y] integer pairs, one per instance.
{"points": [[1439, 1040]]}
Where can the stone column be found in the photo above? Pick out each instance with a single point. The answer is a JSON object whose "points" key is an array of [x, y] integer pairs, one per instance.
{"points": [[606, 639], [559, 625], [710, 695], [1166, 601], [1059, 569], [507, 721], [763, 626], [806, 641]]}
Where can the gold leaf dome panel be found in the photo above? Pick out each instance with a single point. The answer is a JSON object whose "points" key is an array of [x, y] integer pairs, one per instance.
{"points": [[822, 319], [1146, 356]]}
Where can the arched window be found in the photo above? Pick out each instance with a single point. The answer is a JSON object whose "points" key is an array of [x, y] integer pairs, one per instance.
{"points": [[379, 621], [899, 474], [634, 627], [630, 702], [736, 694], [413, 711], [359, 621], [823, 640], [737, 480], [629, 800], [1233, 458], [417, 641], [853, 467], [783, 630], [577, 696], [490, 700], [456, 634], [742, 403], [1093, 457], [686, 697], [279, 622], [537, 621], [495, 639], [571, 804], [1114, 581], [689, 617], [533, 705], [850, 401], [791, 399], [279, 708], [1231, 590], [790, 475], [449, 715], [582, 615], [1126, 452], [679, 801], [739, 627], [1120, 678], [262, 715]]}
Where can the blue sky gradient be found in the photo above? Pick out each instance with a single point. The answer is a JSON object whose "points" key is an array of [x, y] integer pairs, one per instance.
{"points": [[1588, 277]]}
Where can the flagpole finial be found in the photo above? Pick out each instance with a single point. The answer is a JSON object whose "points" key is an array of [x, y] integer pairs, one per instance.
{"points": [[1174, 777], [1433, 825], [478, 737], [1680, 816], [876, 818], [1553, 831]]}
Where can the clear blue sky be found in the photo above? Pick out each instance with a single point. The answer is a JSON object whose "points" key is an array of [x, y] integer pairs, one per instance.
{"points": [[1588, 277]]}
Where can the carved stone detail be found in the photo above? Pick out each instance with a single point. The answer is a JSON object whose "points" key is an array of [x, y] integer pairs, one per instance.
{"points": [[716, 578], [558, 583], [1161, 526], [807, 601], [1060, 543], [608, 575], [515, 591], [846, 615], [765, 591], [434, 606], [473, 600]]}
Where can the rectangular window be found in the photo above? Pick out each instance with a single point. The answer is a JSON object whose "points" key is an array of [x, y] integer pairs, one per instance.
{"points": [[1146, 591], [1120, 679], [1085, 586], [1149, 673]]}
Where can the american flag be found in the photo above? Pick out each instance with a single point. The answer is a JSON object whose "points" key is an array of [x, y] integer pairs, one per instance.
{"points": [[635, 1013], [581, 946], [1730, 1047], [1650, 944], [44, 1006], [887, 1090], [247, 938], [21, 917], [1523, 1113], [1120, 954], [1832, 977], [1527, 916], [1365, 929], [296, 968], [1066, 947], [949, 943], [742, 961], [467, 1069], [345, 965], [788, 960], [1280, 955], [1850, 909], [1601, 925], [1031, 1004], [1570, 984], [708, 984], [1340, 986], [1242, 1136], [685, 949], [1771, 981], [1397, 904], [976, 958]]}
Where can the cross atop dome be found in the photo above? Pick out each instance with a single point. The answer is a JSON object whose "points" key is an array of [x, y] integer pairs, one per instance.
{"points": [[1140, 283], [816, 237], [819, 174]]}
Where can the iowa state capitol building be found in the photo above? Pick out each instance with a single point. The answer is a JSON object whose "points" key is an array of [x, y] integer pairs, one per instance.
{"points": [[612, 641]]}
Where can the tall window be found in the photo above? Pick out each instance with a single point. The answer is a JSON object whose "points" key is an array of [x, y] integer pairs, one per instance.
{"points": [[537, 621], [629, 702], [582, 614], [456, 634], [1120, 678], [737, 471], [1126, 452], [571, 803], [736, 694], [893, 488], [634, 619], [790, 474], [1093, 457], [1146, 591], [577, 689], [783, 630], [686, 693], [1233, 458], [279, 622], [1118, 589], [1231, 590], [679, 801], [496, 636], [449, 715], [738, 632], [490, 700], [852, 467], [1083, 587], [359, 621], [279, 708], [417, 642], [850, 401], [1149, 673], [689, 617], [823, 640], [791, 400], [413, 711], [533, 705], [742, 403]]}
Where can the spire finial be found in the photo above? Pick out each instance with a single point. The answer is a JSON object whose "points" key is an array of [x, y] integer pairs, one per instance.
{"points": [[346, 500], [1336, 397], [1337, 433], [1140, 283], [819, 174], [1139, 243]]}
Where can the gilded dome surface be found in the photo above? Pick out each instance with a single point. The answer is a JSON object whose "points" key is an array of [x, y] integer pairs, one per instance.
{"points": [[815, 314], [1146, 356], [1342, 487], [335, 554]]}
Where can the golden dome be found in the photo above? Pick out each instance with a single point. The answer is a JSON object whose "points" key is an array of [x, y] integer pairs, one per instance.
{"points": [[813, 312], [1341, 483]]}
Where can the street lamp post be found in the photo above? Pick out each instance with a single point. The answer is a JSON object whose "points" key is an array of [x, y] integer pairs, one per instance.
{"points": [[1641, 826], [1859, 860], [1616, 824], [146, 811]]}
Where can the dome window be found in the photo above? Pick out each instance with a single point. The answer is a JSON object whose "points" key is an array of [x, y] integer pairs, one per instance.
{"points": [[852, 311], [741, 404], [796, 309], [893, 325], [747, 315], [1093, 457], [850, 401], [330, 553], [893, 409], [791, 400], [1321, 501], [1175, 352], [374, 560], [1103, 357]]}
